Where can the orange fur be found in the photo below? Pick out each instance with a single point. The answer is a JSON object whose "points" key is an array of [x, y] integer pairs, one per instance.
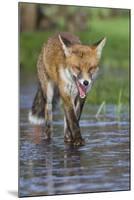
{"points": [[62, 59]]}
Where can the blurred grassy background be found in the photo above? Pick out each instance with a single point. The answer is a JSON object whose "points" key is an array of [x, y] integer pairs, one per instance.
{"points": [[90, 24]]}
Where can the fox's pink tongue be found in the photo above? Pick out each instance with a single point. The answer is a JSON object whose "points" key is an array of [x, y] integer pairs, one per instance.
{"points": [[82, 90]]}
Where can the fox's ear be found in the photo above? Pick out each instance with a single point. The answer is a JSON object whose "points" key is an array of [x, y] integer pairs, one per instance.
{"points": [[65, 43], [99, 46]]}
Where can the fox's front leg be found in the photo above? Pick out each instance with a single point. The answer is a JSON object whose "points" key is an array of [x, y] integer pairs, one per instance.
{"points": [[67, 133], [71, 120], [78, 106]]}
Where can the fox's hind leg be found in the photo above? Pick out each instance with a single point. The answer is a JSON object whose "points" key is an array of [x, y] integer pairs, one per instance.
{"points": [[48, 129], [41, 112]]}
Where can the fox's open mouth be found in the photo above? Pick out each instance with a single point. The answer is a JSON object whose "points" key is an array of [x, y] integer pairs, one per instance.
{"points": [[81, 89]]}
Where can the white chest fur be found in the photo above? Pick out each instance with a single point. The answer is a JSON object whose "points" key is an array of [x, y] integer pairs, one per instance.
{"points": [[70, 86]]}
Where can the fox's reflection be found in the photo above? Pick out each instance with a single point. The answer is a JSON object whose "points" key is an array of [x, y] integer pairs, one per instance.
{"points": [[60, 165]]}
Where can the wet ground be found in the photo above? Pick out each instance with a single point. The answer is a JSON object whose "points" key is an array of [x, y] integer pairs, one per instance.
{"points": [[48, 168]]}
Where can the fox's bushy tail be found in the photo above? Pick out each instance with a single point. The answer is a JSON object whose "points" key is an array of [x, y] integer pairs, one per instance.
{"points": [[37, 112]]}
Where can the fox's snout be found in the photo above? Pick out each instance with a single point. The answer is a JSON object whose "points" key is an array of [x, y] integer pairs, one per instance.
{"points": [[85, 82], [83, 86]]}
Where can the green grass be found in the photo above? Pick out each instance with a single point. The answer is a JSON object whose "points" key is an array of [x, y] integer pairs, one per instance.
{"points": [[114, 68], [108, 86], [30, 46], [116, 52]]}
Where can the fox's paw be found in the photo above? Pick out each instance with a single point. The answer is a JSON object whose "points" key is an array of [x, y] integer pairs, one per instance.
{"points": [[79, 142], [68, 139], [47, 133]]}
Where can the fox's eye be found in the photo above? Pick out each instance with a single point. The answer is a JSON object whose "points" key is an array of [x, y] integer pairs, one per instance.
{"points": [[77, 69], [92, 70]]}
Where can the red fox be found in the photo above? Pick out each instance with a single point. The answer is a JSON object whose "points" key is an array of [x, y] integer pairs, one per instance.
{"points": [[66, 69]]}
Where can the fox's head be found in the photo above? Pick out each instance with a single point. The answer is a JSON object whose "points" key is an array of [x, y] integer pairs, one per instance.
{"points": [[83, 62]]}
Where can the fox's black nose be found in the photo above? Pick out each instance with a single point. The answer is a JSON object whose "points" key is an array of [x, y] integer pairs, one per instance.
{"points": [[85, 82]]}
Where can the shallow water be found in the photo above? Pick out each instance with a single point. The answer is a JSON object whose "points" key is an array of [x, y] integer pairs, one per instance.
{"points": [[48, 168]]}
